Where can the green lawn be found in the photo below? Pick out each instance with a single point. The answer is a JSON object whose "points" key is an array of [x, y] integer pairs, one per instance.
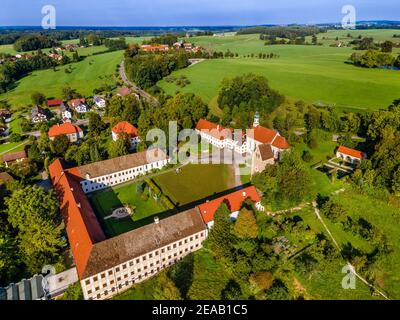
{"points": [[312, 73], [104, 202], [85, 77], [196, 182], [12, 147]]}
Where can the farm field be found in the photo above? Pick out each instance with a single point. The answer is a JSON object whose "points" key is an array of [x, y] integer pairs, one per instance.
{"points": [[316, 74], [85, 77], [196, 182], [104, 202]]}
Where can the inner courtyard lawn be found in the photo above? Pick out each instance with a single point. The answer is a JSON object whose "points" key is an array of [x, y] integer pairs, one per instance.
{"points": [[196, 182], [104, 202]]}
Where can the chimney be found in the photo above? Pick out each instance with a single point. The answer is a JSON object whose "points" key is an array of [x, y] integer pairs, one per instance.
{"points": [[78, 204], [72, 189], [256, 122], [156, 220], [218, 127], [244, 194]]}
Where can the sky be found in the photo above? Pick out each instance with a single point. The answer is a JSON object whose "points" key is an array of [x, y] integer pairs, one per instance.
{"points": [[192, 12]]}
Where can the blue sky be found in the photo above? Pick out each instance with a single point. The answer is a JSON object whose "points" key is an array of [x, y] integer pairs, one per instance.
{"points": [[192, 12]]}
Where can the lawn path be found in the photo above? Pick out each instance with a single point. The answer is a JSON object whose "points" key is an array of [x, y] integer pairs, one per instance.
{"points": [[352, 269], [13, 148]]}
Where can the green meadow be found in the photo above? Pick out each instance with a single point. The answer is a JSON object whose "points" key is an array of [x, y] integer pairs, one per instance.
{"points": [[316, 74], [86, 75]]}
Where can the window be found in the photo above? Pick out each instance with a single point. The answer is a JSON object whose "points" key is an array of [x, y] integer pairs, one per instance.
{"points": [[96, 289], [156, 253], [191, 238], [104, 285], [145, 267], [137, 260], [174, 245], [124, 266], [98, 296], [138, 270], [144, 258], [87, 282], [197, 236], [151, 265], [119, 279], [131, 263], [117, 269], [110, 273], [95, 278], [126, 276], [103, 275], [111, 281], [169, 248], [89, 292], [180, 243], [162, 250]]}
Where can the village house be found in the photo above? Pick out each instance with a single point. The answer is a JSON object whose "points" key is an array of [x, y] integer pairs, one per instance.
{"points": [[123, 91], [350, 155], [54, 103], [100, 102], [234, 203], [155, 47], [17, 157], [129, 130], [38, 115], [5, 178], [79, 105], [66, 113], [5, 114], [73, 132], [55, 56]]}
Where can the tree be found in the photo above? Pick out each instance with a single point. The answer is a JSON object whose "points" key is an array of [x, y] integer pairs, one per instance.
{"points": [[314, 39], [232, 291], [60, 145], [387, 46], [96, 124], [32, 212], [23, 169], [220, 238], [68, 93], [34, 152], [9, 259], [73, 292], [165, 289], [38, 98], [246, 225], [261, 281], [118, 148]]}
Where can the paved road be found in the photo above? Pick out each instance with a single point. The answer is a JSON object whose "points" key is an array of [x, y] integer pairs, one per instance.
{"points": [[140, 91]]}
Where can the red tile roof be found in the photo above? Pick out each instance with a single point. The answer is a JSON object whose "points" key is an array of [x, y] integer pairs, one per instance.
{"points": [[234, 201], [263, 135], [76, 102], [83, 228], [14, 156], [213, 129], [54, 103], [125, 127], [124, 91], [63, 129], [351, 152], [281, 143]]}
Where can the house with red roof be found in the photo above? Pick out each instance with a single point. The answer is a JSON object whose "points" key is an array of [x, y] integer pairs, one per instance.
{"points": [[350, 155], [79, 105], [73, 132], [124, 127], [155, 47], [234, 202], [54, 103]]}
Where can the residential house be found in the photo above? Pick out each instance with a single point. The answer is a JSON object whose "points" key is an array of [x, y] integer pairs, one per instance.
{"points": [[66, 113], [234, 203], [125, 127], [38, 115], [54, 103], [350, 155], [123, 91], [79, 105], [100, 102], [73, 132], [10, 158], [5, 178], [155, 47], [55, 56]]}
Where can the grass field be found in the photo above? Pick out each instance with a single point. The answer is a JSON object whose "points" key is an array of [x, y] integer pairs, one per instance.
{"points": [[311, 73], [105, 202], [196, 182], [84, 78]]}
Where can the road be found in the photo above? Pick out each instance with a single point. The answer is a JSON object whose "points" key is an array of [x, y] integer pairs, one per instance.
{"points": [[131, 85]]}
